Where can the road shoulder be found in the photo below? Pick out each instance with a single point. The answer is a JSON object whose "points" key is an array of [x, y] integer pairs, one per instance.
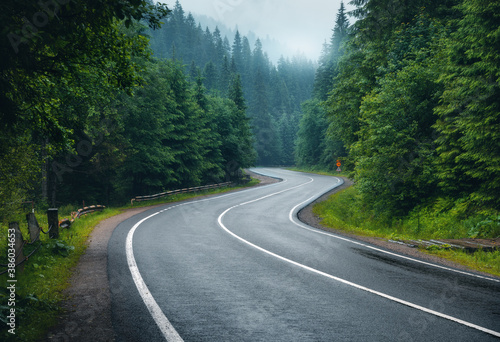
{"points": [[307, 216]]}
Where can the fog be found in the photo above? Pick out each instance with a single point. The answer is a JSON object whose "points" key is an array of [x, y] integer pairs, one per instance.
{"points": [[299, 25]]}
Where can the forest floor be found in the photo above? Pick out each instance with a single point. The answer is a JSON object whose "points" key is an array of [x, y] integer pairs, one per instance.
{"points": [[87, 308]]}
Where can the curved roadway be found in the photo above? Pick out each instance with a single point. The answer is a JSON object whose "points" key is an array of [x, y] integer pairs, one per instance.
{"points": [[241, 267]]}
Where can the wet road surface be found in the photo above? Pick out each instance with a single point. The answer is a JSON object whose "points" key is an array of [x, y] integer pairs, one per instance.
{"points": [[241, 267]]}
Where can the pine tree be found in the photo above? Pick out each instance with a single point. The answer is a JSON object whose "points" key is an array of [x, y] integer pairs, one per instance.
{"points": [[340, 31], [210, 76], [236, 93], [330, 56], [219, 47], [224, 77], [237, 52], [469, 114]]}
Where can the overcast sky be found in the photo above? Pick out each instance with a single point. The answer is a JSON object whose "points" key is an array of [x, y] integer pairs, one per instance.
{"points": [[301, 25]]}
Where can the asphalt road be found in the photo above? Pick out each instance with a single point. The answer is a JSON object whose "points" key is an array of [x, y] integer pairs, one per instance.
{"points": [[241, 267]]}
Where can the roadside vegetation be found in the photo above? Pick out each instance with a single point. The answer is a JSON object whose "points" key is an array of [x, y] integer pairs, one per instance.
{"points": [[407, 98], [344, 211], [39, 288]]}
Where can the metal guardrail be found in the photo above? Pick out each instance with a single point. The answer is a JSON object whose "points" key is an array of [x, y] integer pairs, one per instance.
{"points": [[178, 191], [66, 223], [87, 210]]}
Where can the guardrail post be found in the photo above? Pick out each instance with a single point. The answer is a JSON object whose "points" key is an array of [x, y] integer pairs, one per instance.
{"points": [[53, 221], [33, 227]]}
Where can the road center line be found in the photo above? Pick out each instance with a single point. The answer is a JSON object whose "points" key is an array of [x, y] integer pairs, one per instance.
{"points": [[360, 287]]}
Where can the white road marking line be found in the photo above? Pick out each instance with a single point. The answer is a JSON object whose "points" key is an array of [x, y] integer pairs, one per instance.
{"points": [[383, 295], [292, 216], [318, 231], [161, 320]]}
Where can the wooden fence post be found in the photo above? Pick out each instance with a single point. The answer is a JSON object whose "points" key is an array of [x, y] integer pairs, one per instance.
{"points": [[33, 227], [53, 221], [18, 247]]}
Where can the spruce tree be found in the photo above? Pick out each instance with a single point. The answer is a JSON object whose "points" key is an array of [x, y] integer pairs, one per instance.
{"points": [[330, 56], [237, 52]]}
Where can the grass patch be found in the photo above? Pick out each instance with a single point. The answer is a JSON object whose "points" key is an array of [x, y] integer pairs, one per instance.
{"points": [[319, 171], [46, 274], [39, 288], [487, 262]]}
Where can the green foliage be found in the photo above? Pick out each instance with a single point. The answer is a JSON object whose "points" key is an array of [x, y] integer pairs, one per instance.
{"points": [[46, 273], [328, 69], [59, 247], [113, 141], [415, 104], [484, 227], [469, 113], [482, 261], [233, 127], [18, 171], [54, 73], [394, 152], [311, 135], [316, 144], [414, 100], [438, 220]]}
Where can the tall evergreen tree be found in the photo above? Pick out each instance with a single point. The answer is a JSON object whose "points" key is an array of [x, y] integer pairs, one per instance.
{"points": [[224, 77], [281, 89], [469, 113], [236, 93], [210, 76], [311, 136], [331, 54], [237, 51]]}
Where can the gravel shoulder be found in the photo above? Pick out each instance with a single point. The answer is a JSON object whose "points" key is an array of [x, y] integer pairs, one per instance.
{"points": [[87, 308]]}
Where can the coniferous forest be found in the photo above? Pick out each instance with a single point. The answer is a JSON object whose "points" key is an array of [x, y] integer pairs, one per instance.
{"points": [[134, 101], [273, 93], [101, 101], [408, 98]]}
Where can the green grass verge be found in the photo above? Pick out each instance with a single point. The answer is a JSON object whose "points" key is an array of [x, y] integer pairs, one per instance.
{"points": [[46, 274], [39, 288], [319, 171]]}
